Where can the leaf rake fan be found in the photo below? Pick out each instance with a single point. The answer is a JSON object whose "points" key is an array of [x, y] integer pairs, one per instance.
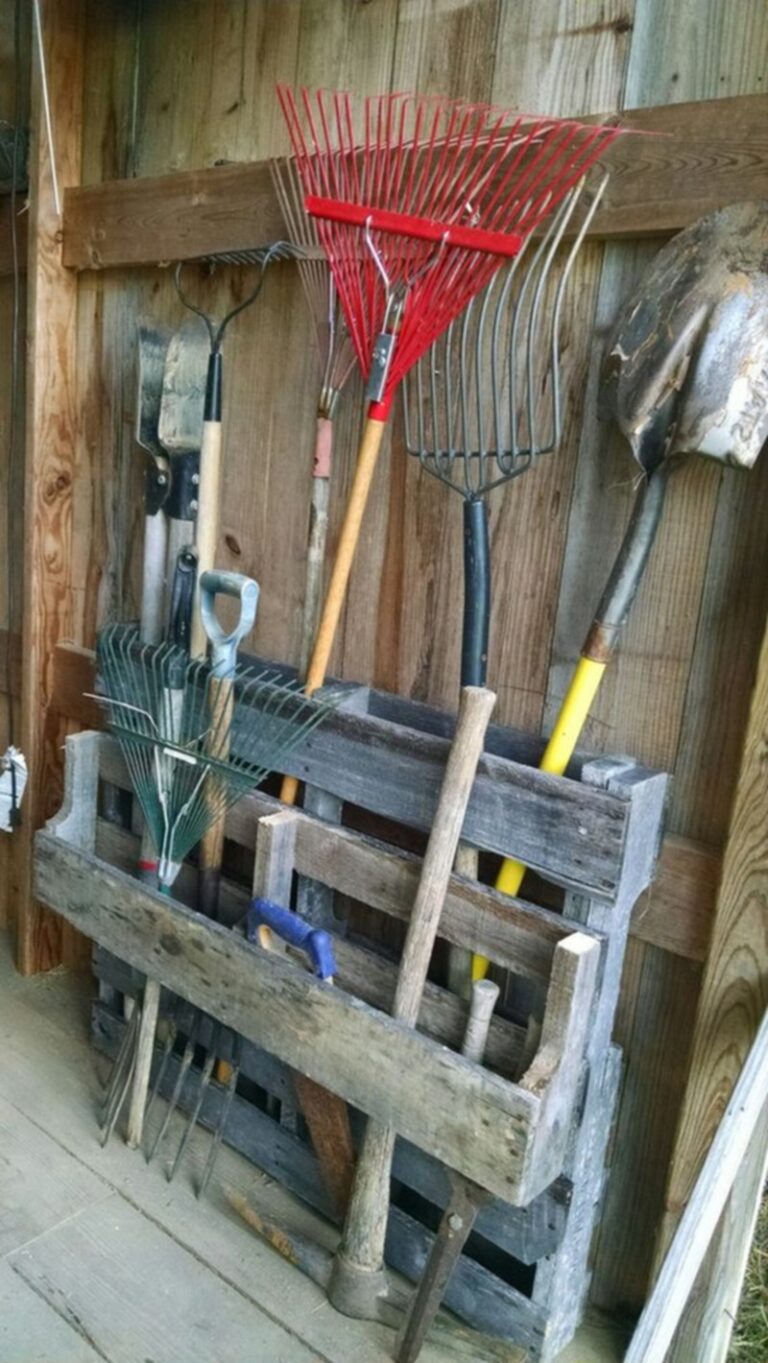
{"points": [[417, 201], [196, 736], [337, 360]]}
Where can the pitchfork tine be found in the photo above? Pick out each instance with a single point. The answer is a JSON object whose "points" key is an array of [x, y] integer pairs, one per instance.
{"points": [[186, 1061], [120, 1078], [202, 1089], [226, 1104]]}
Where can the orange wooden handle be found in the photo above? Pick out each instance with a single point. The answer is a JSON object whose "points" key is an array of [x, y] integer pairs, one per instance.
{"points": [[337, 587]]}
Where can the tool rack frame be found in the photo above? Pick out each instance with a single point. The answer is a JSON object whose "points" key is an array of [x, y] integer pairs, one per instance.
{"points": [[597, 836]]}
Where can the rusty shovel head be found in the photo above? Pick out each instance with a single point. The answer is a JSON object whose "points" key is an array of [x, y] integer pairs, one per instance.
{"points": [[686, 368]]}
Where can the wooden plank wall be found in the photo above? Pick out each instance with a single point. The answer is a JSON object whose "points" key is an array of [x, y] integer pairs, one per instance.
{"points": [[11, 468], [187, 83]]}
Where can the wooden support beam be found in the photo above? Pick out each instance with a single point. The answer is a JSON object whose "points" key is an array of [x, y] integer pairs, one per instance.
{"points": [[50, 461], [733, 1001], [707, 154]]}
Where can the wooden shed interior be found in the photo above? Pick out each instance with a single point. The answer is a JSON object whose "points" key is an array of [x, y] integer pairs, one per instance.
{"points": [[163, 116]]}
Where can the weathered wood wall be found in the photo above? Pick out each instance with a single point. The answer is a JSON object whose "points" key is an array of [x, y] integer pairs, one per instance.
{"points": [[186, 83], [11, 461]]}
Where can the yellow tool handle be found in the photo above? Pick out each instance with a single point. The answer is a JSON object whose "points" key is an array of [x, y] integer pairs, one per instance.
{"points": [[557, 754], [337, 587]]}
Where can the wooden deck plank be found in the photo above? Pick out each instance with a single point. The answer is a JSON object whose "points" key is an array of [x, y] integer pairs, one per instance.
{"points": [[31, 1331], [135, 1293], [41, 1185]]}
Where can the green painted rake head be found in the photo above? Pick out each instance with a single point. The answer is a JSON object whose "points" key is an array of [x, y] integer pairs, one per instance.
{"points": [[190, 756]]}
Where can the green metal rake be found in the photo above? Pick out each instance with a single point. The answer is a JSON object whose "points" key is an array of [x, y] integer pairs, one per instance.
{"points": [[196, 736]]}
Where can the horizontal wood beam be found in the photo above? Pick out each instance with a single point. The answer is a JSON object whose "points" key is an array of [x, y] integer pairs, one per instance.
{"points": [[705, 154]]}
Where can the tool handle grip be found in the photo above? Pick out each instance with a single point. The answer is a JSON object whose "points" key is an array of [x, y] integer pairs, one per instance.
{"points": [[224, 643], [295, 931]]}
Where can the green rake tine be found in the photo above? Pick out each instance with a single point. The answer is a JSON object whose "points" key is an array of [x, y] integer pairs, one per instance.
{"points": [[186, 1061], [202, 1088], [226, 1104]]}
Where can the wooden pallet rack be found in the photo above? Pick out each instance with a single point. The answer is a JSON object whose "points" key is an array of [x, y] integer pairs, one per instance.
{"points": [[533, 1127]]}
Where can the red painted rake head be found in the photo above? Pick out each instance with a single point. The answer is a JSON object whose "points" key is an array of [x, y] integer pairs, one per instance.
{"points": [[418, 200]]}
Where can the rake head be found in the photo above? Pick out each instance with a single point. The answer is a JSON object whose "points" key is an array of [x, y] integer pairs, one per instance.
{"points": [[436, 192], [484, 402], [189, 757], [334, 345]]}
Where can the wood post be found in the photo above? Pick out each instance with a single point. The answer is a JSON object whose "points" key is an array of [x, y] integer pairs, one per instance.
{"points": [[41, 939], [733, 1000]]}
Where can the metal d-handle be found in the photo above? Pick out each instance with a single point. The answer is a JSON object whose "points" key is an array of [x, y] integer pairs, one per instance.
{"points": [[224, 645]]}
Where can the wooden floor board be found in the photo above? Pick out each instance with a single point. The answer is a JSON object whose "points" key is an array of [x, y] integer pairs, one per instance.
{"points": [[31, 1331], [41, 1185], [136, 1293]]}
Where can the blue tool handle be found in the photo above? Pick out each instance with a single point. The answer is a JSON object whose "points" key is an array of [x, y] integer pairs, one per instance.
{"points": [[286, 924], [321, 952], [293, 929]]}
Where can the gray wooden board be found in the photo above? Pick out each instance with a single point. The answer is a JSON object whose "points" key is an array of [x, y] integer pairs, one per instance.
{"points": [[134, 1293], [527, 1233], [568, 833], [40, 1184], [477, 1295], [470, 1118], [33, 1332]]}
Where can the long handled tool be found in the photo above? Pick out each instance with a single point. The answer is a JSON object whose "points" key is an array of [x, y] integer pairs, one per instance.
{"points": [[209, 515], [481, 407], [467, 1201], [355, 1278], [684, 374], [337, 360], [358, 1280], [417, 200]]}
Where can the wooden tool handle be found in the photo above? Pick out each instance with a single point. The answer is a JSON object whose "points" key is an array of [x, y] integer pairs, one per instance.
{"points": [[221, 692], [475, 709], [342, 567], [362, 1246], [208, 513], [481, 1005], [313, 582]]}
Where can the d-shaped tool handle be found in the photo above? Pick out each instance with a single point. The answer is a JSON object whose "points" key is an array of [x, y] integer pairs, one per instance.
{"points": [[294, 930], [224, 645]]}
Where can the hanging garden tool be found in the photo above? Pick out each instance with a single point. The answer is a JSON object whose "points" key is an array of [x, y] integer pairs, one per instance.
{"points": [[473, 415], [356, 1280], [337, 360], [209, 508], [684, 374], [418, 200], [172, 717]]}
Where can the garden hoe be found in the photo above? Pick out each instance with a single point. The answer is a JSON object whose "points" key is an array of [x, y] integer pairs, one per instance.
{"points": [[686, 372]]}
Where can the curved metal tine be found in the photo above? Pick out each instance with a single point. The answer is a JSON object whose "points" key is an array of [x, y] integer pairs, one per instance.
{"points": [[202, 1088], [560, 293], [186, 1061], [121, 1077], [170, 1042], [118, 1063], [551, 241], [226, 1104]]}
